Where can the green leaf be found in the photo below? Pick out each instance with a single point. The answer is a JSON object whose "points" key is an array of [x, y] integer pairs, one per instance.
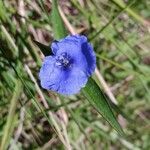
{"points": [[58, 25], [96, 97], [44, 48]]}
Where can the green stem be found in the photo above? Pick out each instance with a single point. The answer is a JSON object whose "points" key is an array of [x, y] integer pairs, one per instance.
{"points": [[122, 5]]}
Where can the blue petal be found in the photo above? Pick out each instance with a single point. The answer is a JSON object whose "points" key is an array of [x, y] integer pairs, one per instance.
{"points": [[71, 38], [79, 50], [54, 47], [72, 81], [78, 38], [48, 74], [64, 81], [89, 54]]}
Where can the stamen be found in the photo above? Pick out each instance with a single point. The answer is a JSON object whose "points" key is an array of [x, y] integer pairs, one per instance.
{"points": [[63, 60]]}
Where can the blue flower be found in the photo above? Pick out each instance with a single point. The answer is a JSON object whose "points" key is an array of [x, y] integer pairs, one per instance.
{"points": [[68, 69]]}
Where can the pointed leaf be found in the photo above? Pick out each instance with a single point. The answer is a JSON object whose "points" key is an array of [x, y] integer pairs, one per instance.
{"points": [[44, 48], [96, 97]]}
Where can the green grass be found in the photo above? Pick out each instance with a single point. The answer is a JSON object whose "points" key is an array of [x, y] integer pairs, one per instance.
{"points": [[119, 33]]}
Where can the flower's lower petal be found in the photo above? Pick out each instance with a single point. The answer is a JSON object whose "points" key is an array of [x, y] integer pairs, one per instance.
{"points": [[62, 81], [72, 82]]}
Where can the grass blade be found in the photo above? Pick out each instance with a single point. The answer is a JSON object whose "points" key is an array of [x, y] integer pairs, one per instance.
{"points": [[58, 26], [11, 116]]}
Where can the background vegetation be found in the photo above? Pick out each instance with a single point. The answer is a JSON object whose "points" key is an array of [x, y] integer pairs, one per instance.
{"points": [[33, 118]]}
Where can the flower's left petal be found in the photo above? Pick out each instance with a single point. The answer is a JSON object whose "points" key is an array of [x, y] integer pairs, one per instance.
{"points": [[54, 47], [49, 74]]}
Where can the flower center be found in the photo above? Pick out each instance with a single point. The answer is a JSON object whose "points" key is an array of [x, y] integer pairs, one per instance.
{"points": [[63, 60]]}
